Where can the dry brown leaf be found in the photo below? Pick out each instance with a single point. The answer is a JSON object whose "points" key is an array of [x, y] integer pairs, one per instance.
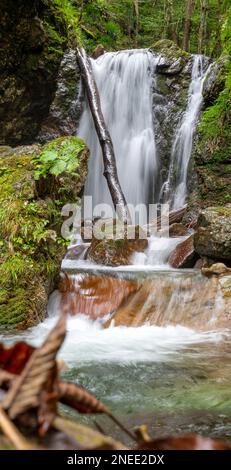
{"points": [[80, 399], [38, 375]]}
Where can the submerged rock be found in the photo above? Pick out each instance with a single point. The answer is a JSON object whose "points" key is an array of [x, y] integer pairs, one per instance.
{"points": [[184, 255], [192, 300], [213, 236], [94, 296], [30, 225]]}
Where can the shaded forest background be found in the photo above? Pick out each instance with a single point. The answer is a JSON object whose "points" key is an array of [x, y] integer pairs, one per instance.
{"points": [[195, 25]]}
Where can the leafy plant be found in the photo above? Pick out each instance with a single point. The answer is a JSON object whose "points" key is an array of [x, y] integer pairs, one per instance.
{"points": [[59, 156]]}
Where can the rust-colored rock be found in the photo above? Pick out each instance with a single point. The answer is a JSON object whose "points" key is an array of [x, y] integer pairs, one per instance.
{"points": [[191, 300], [184, 255], [95, 296], [98, 51]]}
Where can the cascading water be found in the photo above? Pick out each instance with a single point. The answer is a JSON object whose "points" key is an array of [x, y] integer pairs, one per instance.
{"points": [[175, 188], [128, 87], [157, 365], [125, 81]]}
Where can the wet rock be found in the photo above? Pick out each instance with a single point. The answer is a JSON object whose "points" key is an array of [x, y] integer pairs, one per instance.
{"points": [[192, 300], [99, 50], [170, 97], [117, 249], [173, 58], [178, 230], [66, 107], [165, 67], [77, 252], [213, 236], [95, 296], [30, 227], [184, 255], [225, 283], [216, 269], [215, 80]]}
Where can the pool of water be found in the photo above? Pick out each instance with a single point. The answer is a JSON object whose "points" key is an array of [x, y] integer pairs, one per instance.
{"points": [[171, 378]]}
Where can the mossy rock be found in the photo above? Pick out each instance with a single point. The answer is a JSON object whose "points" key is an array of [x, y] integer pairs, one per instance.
{"points": [[30, 224], [115, 246], [215, 80], [213, 236], [169, 49]]}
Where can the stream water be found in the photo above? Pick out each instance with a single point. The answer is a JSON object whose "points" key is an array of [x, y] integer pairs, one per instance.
{"points": [[172, 377]]}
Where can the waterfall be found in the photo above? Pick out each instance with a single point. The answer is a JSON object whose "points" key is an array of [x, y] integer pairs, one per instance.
{"points": [[125, 81], [175, 188], [127, 84]]}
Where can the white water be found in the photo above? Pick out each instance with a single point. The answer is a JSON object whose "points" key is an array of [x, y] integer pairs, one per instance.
{"points": [[157, 253], [175, 187], [88, 342], [125, 80]]}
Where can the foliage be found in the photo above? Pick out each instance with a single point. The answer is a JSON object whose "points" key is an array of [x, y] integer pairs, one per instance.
{"points": [[31, 248], [216, 120], [59, 156], [116, 25]]}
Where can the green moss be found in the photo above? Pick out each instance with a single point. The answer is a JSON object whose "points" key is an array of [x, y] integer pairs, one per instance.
{"points": [[213, 147], [30, 223], [169, 49], [215, 135]]}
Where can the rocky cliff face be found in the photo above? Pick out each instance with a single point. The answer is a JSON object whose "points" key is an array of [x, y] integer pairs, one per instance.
{"points": [[32, 41]]}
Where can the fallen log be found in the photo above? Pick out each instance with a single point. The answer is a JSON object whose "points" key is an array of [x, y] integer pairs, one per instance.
{"points": [[110, 169]]}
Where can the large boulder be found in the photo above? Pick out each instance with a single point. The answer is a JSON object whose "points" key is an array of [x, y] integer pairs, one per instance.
{"points": [[184, 255], [66, 107], [215, 80], [170, 94], [31, 199], [33, 39], [213, 237], [116, 249]]}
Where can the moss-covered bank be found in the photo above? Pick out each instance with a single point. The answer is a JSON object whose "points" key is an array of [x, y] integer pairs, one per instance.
{"points": [[212, 154], [35, 184]]}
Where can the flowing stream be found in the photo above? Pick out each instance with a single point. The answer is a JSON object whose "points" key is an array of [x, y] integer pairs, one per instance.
{"points": [[164, 372]]}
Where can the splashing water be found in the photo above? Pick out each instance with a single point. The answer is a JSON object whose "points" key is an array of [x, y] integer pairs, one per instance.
{"points": [[125, 80], [175, 188]]}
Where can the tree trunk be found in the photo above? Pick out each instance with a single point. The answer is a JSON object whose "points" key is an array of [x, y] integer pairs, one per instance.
{"points": [[202, 29], [187, 24], [136, 9], [110, 170]]}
